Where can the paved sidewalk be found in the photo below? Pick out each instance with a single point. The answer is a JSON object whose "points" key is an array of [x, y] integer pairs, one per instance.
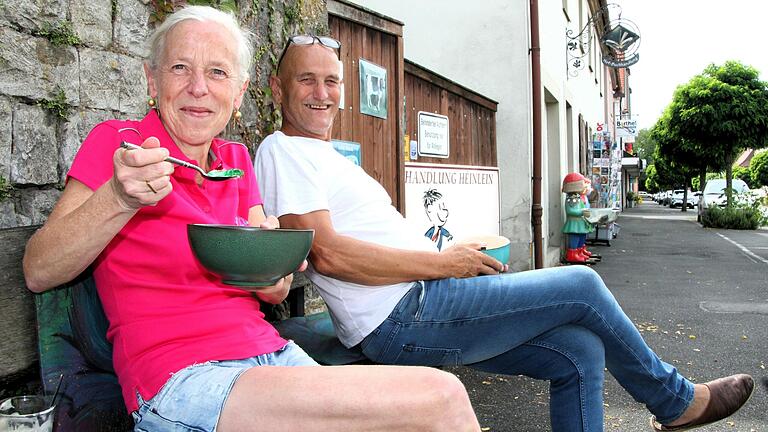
{"points": [[700, 302]]}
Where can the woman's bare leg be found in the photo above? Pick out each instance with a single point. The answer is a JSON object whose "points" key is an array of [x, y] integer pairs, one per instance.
{"points": [[348, 398]]}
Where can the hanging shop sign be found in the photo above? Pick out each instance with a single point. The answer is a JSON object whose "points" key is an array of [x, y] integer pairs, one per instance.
{"points": [[626, 128], [622, 39], [619, 36], [434, 135]]}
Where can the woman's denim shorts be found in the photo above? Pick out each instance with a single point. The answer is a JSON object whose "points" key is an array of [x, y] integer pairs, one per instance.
{"points": [[192, 399]]}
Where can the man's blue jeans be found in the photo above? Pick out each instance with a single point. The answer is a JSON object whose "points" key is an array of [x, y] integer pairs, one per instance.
{"points": [[559, 324]]}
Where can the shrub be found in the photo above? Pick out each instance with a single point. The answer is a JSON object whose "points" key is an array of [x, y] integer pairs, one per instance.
{"points": [[739, 217], [60, 33], [5, 189], [57, 105], [758, 168]]}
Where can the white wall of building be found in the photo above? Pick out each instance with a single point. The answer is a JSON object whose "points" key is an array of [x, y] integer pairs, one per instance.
{"points": [[482, 45], [565, 98]]}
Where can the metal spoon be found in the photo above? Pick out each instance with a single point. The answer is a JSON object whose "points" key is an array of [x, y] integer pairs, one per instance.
{"points": [[214, 175], [56, 393]]}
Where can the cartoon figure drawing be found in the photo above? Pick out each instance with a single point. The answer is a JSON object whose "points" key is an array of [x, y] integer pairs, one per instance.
{"points": [[437, 214]]}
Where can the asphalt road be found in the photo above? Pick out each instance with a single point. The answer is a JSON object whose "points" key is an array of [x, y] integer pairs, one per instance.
{"points": [[700, 298]]}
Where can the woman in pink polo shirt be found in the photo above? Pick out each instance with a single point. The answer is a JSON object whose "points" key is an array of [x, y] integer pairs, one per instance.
{"points": [[189, 351]]}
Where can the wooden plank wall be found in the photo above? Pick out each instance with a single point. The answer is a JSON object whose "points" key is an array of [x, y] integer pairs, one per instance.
{"points": [[18, 334], [365, 34], [471, 117], [378, 138]]}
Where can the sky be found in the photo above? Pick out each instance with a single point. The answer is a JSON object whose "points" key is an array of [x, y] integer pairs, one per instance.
{"points": [[679, 38]]}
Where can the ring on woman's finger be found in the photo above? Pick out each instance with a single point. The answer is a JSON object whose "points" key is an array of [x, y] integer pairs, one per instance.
{"points": [[150, 186]]}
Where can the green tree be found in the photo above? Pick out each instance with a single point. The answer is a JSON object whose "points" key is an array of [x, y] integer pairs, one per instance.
{"points": [[645, 146], [651, 179], [743, 173], [758, 168], [681, 158], [662, 174], [719, 113], [696, 183]]}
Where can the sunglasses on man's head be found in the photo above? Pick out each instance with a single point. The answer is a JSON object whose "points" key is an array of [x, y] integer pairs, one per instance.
{"points": [[309, 40]]}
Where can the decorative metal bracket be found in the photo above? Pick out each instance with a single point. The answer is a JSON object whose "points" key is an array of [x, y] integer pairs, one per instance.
{"points": [[620, 37]]}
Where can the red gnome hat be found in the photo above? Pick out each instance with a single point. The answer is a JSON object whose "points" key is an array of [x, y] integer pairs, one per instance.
{"points": [[573, 183]]}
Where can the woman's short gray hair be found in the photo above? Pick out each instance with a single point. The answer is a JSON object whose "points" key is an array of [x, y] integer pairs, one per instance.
{"points": [[203, 14]]}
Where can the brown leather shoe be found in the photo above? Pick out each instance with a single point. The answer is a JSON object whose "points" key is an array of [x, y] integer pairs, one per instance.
{"points": [[726, 396]]}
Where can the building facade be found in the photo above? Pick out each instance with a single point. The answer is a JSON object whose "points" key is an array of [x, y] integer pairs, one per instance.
{"points": [[486, 47]]}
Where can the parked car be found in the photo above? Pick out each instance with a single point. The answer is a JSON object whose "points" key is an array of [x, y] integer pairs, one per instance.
{"points": [[714, 194], [666, 198], [677, 199], [694, 198]]}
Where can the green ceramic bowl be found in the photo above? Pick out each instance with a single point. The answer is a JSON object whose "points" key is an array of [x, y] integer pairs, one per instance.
{"points": [[249, 256], [495, 246]]}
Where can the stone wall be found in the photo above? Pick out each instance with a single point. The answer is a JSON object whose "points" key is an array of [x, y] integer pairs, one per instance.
{"points": [[99, 78], [51, 96]]}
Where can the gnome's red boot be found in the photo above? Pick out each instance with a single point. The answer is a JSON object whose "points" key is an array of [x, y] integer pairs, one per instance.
{"points": [[573, 256], [589, 254]]}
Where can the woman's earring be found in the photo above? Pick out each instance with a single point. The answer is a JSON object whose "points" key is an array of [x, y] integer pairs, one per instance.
{"points": [[237, 115], [151, 102]]}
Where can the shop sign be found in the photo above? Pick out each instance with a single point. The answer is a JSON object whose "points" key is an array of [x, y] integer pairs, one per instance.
{"points": [[447, 203], [433, 135], [626, 128]]}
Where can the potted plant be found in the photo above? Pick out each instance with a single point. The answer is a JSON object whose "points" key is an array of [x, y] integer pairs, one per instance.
{"points": [[630, 199]]}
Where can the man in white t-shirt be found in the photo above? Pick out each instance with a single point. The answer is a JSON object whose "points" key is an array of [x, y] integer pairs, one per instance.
{"points": [[390, 291]]}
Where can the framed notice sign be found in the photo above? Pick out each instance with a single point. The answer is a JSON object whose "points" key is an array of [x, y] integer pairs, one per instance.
{"points": [[450, 202], [348, 149], [373, 89], [433, 135]]}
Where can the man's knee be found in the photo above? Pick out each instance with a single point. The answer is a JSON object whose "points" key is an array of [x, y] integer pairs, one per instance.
{"points": [[588, 282], [584, 275]]}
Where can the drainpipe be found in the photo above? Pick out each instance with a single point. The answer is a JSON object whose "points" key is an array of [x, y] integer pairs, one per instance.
{"points": [[536, 210]]}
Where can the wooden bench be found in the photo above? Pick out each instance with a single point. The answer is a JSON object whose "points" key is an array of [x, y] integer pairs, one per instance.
{"points": [[42, 338], [72, 341]]}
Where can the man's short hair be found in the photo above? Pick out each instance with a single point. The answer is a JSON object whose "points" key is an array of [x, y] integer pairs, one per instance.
{"points": [[431, 196]]}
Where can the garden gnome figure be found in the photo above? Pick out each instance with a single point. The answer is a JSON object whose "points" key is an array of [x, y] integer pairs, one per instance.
{"points": [[585, 199], [576, 227]]}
